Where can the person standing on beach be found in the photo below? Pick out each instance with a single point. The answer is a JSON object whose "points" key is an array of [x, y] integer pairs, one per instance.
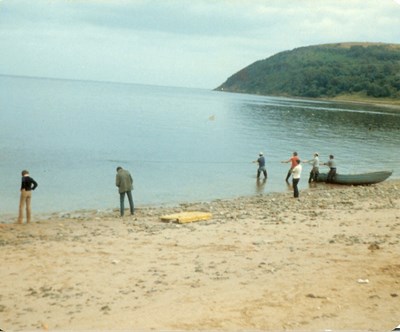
{"points": [[124, 182], [331, 163], [261, 165], [315, 168], [296, 172], [293, 160], [27, 186]]}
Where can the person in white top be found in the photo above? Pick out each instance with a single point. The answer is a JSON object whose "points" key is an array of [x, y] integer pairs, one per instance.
{"points": [[315, 168], [296, 173]]}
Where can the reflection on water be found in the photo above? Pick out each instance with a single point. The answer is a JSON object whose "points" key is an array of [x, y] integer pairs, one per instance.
{"points": [[260, 185]]}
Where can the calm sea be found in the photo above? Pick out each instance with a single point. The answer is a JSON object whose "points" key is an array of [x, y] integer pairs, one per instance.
{"points": [[180, 144]]}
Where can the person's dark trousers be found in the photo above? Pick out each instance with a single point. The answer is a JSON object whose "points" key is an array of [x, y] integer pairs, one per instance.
{"points": [[289, 173], [295, 188], [259, 173], [331, 175], [313, 176], [122, 202]]}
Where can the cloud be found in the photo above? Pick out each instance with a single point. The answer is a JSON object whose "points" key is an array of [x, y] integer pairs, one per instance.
{"points": [[195, 43]]}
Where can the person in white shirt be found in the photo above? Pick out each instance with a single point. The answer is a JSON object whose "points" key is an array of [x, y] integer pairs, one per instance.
{"points": [[296, 173], [315, 168]]}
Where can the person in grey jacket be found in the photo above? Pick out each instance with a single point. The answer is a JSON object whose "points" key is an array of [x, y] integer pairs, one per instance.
{"points": [[331, 163], [124, 182]]}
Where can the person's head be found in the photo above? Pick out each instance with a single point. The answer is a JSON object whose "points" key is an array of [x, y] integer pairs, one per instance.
{"points": [[119, 168], [261, 154], [25, 172], [331, 156], [295, 153], [316, 154], [298, 161]]}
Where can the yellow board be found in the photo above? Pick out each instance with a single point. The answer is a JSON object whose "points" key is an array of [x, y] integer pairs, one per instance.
{"points": [[185, 217]]}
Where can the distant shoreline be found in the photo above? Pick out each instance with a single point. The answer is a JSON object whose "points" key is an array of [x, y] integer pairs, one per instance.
{"points": [[388, 103], [394, 104]]}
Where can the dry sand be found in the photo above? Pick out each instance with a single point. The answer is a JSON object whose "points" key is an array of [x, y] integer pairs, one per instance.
{"points": [[327, 261]]}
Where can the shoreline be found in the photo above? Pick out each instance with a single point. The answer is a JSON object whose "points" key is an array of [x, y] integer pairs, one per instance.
{"points": [[113, 212], [269, 262], [393, 104], [386, 103]]}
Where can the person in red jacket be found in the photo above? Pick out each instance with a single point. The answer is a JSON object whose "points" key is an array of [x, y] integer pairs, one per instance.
{"points": [[293, 160]]}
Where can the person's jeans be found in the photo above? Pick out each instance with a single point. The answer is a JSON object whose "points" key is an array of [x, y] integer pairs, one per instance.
{"points": [[25, 202], [331, 175], [313, 175], [295, 188], [263, 170], [122, 202], [289, 173]]}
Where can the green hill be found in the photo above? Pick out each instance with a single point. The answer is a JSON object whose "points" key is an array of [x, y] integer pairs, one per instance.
{"points": [[370, 70]]}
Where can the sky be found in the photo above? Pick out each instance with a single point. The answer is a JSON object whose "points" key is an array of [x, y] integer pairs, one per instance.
{"points": [[181, 43]]}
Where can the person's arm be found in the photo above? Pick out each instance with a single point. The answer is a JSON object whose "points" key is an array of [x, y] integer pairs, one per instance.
{"points": [[117, 180], [34, 184]]}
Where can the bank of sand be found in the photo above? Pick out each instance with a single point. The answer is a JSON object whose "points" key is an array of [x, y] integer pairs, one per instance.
{"points": [[327, 261]]}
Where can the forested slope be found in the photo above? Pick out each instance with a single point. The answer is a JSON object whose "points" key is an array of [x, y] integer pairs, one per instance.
{"points": [[363, 69]]}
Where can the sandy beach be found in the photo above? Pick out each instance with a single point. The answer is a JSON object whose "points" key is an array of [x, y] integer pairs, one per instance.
{"points": [[328, 261]]}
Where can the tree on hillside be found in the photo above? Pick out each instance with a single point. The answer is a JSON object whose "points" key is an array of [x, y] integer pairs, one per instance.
{"points": [[323, 71]]}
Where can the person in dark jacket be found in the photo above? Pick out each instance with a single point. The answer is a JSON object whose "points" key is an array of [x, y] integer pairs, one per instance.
{"points": [[261, 165], [124, 182], [27, 186]]}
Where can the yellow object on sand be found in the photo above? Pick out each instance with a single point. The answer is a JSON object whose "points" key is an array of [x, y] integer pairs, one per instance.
{"points": [[185, 217]]}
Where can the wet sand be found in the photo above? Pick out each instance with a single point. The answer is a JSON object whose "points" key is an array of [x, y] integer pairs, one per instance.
{"points": [[330, 260]]}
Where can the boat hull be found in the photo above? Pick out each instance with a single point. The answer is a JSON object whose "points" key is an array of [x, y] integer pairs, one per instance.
{"points": [[357, 179]]}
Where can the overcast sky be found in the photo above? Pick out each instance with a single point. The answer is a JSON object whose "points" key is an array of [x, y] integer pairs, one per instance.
{"points": [[186, 43]]}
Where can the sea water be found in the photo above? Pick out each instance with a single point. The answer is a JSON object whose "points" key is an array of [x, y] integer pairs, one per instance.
{"points": [[180, 144]]}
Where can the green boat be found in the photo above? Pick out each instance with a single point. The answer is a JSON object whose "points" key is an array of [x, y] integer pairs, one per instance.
{"points": [[357, 179]]}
